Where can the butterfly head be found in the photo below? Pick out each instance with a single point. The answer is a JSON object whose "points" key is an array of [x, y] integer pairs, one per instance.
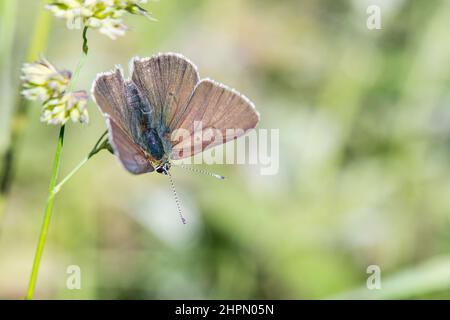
{"points": [[164, 168]]}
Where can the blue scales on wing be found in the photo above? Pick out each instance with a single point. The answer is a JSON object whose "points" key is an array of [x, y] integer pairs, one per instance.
{"points": [[145, 131]]}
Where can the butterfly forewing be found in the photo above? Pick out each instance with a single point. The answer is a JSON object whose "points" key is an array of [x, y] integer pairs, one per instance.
{"points": [[109, 94], [128, 116], [167, 81], [122, 101], [213, 109]]}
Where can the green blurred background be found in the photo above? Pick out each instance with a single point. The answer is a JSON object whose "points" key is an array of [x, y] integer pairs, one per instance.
{"points": [[364, 120]]}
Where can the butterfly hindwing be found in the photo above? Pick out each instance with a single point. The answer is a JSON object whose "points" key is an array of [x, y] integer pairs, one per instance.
{"points": [[129, 153]]}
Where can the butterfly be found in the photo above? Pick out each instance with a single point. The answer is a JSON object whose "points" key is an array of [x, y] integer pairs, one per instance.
{"points": [[163, 95]]}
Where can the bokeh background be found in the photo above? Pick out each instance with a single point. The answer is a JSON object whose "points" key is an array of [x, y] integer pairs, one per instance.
{"points": [[364, 179]]}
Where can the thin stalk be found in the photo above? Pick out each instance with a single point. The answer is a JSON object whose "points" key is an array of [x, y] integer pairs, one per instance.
{"points": [[82, 60], [96, 149], [47, 216], [51, 192], [85, 41]]}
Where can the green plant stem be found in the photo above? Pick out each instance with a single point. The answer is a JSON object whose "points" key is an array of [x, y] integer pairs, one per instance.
{"points": [[85, 41], [80, 62], [97, 148], [54, 178], [47, 216], [53, 190]]}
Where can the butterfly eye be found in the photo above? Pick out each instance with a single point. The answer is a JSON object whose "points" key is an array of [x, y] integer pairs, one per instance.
{"points": [[161, 170], [164, 168]]}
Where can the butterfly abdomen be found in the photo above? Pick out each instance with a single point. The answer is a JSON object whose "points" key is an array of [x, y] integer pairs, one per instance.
{"points": [[154, 144]]}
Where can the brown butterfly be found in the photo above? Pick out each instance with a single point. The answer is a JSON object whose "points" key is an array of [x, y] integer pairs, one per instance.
{"points": [[165, 95]]}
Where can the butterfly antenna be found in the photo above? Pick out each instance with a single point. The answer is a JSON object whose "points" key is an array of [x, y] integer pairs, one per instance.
{"points": [[175, 195], [202, 171]]}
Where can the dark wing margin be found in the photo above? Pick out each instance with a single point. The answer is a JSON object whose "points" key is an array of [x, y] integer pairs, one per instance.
{"points": [[130, 154], [167, 80], [220, 113]]}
